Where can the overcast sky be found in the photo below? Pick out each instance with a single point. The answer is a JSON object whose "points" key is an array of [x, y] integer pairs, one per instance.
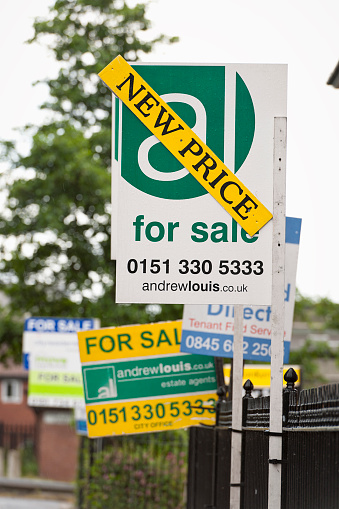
{"points": [[303, 34]]}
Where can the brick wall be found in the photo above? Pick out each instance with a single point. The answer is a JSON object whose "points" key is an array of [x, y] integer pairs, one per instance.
{"points": [[57, 445], [17, 413]]}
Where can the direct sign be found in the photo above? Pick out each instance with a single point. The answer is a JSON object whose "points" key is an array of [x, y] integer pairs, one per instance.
{"points": [[172, 240], [209, 329], [51, 353], [185, 145], [136, 380]]}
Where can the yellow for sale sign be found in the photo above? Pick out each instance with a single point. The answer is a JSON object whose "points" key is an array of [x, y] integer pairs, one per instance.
{"points": [[136, 380]]}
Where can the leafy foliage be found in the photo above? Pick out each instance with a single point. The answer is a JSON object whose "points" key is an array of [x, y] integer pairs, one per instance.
{"points": [[329, 312], [303, 307], [150, 469], [323, 311], [29, 461], [85, 36], [55, 227], [319, 315], [308, 356]]}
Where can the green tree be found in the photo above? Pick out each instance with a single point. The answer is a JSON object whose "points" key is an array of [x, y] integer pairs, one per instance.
{"points": [[303, 307], [320, 315], [329, 312], [322, 311], [55, 228]]}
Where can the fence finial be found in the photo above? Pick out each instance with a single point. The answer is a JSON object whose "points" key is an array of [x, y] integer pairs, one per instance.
{"points": [[221, 403], [248, 386], [290, 378]]}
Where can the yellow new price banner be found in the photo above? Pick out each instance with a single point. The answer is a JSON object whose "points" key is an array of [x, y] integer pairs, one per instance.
{"points": [[185, 145]]}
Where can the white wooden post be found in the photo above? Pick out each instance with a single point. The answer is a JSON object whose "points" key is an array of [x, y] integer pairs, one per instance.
{"points": [[277, 316], [237, 407]]}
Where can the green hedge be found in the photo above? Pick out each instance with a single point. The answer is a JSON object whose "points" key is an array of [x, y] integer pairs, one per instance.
{"points": [[146, 472]]}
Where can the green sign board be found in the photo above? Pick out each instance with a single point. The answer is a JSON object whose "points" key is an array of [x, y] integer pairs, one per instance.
{"points": [[148, 377]]}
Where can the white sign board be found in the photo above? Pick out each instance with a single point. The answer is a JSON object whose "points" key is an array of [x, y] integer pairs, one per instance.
{"points": [[51, 353], [209, 329], [172, 240]]}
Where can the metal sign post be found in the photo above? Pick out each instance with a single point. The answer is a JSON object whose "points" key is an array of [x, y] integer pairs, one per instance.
{"points": [[237, 408], [278, 281]]}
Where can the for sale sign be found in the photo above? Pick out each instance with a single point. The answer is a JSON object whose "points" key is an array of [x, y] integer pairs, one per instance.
{"points": [[51, 353], [172, 239], [136, 380]]}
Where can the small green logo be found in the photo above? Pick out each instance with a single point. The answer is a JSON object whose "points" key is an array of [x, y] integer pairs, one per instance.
{"points": [[99, 383]]}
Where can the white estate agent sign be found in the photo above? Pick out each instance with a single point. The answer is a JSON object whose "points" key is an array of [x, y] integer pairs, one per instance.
{"points": [[51, 353], [172, 240], [208, 329]]}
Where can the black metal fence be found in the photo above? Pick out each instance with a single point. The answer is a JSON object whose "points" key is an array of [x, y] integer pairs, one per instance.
{"points": [[151, 471], [148, 471], [311, 408], [310, 451], [208, 482]]}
